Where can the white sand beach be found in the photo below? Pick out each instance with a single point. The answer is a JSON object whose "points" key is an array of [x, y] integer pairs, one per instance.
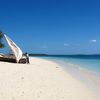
{"points": [[40, 80]]}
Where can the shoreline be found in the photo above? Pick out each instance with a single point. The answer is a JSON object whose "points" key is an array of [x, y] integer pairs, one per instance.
{"points": [[40, 80], [89, 78], [63, 63]]}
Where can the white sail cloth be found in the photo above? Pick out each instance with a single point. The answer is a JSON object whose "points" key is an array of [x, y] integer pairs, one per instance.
{"points": [[15, 49]]}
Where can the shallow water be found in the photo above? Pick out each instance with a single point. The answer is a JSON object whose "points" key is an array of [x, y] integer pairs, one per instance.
{"points": [[89, 63]]}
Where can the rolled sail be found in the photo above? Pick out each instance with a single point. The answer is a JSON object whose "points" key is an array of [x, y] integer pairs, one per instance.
{"points": [[15, 49]]}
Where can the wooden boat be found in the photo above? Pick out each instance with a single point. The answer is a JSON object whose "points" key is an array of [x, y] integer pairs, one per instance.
{"points": [[11, 58], [17, 56]]}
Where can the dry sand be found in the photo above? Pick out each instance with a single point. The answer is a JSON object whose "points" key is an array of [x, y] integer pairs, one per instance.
{"points": [[40, 80]]}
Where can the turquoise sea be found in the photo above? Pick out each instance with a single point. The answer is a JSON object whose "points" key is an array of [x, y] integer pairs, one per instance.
{"points": [[88, 62]]}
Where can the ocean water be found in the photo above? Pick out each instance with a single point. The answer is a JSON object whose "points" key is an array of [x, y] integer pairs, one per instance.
{"points": [[89, 62]]}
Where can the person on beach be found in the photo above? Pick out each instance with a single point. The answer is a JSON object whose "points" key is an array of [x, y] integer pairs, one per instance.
{"points": [[27, 58]]}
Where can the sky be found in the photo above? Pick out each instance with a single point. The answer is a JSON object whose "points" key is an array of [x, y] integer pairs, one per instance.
{"points": [[52, 26]]}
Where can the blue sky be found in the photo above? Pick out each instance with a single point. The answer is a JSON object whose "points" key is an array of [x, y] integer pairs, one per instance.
{"points": [[52, 26]]}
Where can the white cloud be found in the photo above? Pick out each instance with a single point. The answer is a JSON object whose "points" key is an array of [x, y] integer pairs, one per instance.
{"points": [[66, 44], [93, 41]]}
